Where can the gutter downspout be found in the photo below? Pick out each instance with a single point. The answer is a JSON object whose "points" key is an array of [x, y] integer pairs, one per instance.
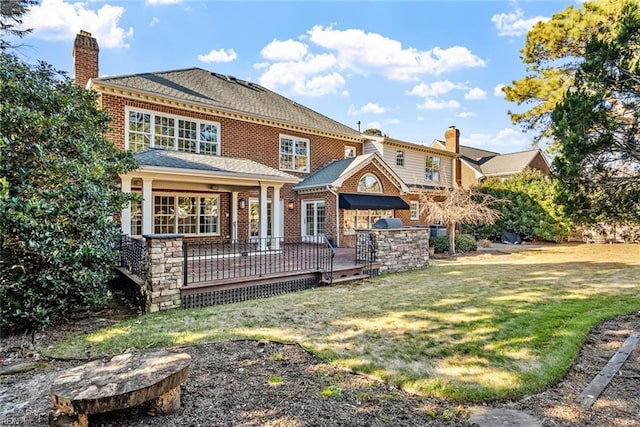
{"points": [[337, 215]]}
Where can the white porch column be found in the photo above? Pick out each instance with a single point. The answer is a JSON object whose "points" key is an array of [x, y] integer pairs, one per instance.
{"points": [[147, 206], [275, 219], [234, 216], [125, 214], [262, 234]]}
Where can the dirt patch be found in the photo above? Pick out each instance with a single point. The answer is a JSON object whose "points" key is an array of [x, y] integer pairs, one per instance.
{"points": [[249, 383]]}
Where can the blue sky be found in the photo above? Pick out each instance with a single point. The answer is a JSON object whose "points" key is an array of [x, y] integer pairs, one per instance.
{"points": [[411, 68]]}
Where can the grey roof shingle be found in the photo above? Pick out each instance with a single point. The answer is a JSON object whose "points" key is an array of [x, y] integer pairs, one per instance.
{"points": [[476, 155], [326, 175], [508, 163], [217, 165], [214, 90]]}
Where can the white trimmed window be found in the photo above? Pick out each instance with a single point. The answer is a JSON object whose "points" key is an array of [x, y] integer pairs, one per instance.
{"points": [[399, 157], [415, 210], [294, 153], [186, 214], [432, 168], [349, 151], [369, 184], [147, 129]]}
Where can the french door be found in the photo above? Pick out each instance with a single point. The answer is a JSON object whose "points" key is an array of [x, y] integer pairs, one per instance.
{"points": [[313, 219]]}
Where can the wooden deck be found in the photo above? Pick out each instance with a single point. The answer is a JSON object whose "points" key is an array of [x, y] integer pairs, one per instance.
{"points": [[263, 283]]}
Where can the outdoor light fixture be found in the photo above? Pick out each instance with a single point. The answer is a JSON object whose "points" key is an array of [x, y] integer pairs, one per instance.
{"points": [[241, 203], [290, 204]]}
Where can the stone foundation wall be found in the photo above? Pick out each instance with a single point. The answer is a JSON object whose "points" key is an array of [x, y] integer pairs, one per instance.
{"points": [[164, 271], [402, 249]]}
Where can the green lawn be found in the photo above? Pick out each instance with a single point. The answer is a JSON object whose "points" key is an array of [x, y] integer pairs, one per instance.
{"points": [[473, 329]]}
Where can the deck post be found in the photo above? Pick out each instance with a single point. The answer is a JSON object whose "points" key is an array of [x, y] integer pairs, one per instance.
{"points": [[165, 264]]}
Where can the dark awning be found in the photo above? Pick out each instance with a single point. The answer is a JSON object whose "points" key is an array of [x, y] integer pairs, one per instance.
{"points": [[371, 201]]}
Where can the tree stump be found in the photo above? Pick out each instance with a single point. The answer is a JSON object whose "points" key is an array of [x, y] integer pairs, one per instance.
{"points": [[124, 381]]}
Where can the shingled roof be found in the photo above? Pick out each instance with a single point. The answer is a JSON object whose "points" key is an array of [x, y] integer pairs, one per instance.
{"points": [[335, 172], [214, 165], [205, 88], [507, 164]]}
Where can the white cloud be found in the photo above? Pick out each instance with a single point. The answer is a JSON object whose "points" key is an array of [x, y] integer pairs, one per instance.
{"points": [[61, 20], [345, 92], [507, 140], [466, 114], [288, 50], [369, 108], [154, 21], [162, 2], [497, 91], [515, 24], [475, 94], [361, 52], [220, 55], [433, 89], [432, 104], [322, 85], [333, 54], [305, 77]]}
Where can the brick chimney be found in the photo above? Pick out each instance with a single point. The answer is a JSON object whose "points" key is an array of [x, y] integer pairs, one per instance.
{"points": [[85, 58], [452, 143]]}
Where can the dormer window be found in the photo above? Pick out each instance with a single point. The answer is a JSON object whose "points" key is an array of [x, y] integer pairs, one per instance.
{"points": [[369, 184]]}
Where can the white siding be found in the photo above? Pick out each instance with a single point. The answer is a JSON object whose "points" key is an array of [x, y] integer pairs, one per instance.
{"points": [[373, 147], [413, 172]]}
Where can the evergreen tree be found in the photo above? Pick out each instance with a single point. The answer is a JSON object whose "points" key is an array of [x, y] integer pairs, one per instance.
{"points": [[58, 240]]}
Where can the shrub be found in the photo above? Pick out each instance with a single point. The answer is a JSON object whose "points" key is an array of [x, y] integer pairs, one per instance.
{"points": [[531, 210], [440, 244], [58, 246], [464, 243]]}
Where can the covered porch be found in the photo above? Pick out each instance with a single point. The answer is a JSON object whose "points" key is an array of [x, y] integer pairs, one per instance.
{"points": [[204, 197]]}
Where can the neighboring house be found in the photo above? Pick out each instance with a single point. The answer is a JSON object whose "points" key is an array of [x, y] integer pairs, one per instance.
{"points": [[422, 168], [225, 159], [478, 165]]}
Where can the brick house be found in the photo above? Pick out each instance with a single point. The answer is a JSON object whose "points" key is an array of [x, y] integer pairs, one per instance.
{"points": [[224, 158]]}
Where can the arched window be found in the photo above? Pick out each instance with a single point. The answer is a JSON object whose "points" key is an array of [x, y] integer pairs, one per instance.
{"points": [[369, 184]]}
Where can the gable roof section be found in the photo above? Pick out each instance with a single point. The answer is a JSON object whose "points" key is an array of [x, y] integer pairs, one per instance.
{"points": [[160, 160], [336, 172], [507, 164], [226, 96]]}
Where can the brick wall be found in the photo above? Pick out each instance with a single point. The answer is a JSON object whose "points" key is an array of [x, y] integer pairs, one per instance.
{"points": [[85, 58]]}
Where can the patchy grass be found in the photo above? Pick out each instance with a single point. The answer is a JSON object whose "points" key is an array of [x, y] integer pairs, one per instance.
{"points": [[474, 329]]}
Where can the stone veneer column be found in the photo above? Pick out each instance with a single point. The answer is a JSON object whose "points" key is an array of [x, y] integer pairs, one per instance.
{"points": [[165, 263], [402, 249]]}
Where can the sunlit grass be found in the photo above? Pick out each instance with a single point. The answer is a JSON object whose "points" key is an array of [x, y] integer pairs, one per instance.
{"points": [[477, 328]]}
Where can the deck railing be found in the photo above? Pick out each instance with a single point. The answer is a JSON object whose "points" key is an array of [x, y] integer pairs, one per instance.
{"points": [[206, 261], [366, 251], [133, 255]]}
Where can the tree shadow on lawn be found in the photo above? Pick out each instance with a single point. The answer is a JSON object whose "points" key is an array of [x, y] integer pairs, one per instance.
{"points": [[465, 332]]}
